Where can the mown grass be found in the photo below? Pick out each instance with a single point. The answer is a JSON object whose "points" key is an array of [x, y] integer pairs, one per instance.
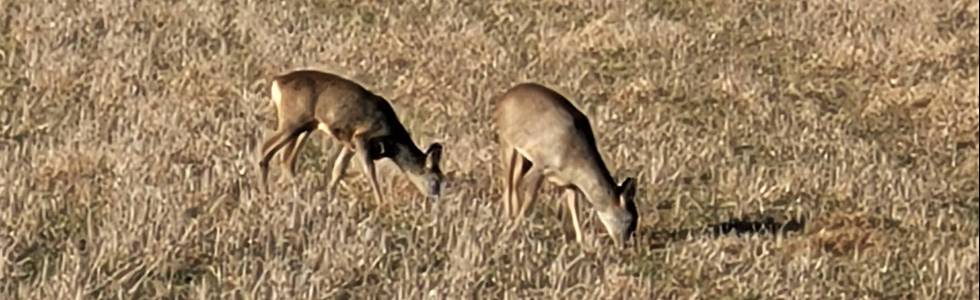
{"points": [[784, 149]]}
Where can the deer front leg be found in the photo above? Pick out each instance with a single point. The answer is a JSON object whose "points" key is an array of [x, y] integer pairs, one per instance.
{"points": [[362, 148], [572, 199]]}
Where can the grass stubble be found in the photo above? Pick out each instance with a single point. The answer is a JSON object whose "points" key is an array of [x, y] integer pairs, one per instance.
{"points": [[784, 149]]}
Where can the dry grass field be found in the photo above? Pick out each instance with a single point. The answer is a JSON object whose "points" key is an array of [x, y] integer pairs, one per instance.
{"points": [[819, 149]]}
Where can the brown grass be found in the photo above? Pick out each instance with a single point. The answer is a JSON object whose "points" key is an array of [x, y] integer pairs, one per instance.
{"points": [[785, 149]]}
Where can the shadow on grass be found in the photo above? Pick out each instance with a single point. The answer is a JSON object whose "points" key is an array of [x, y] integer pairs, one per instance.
{"points": [[766, 225]]}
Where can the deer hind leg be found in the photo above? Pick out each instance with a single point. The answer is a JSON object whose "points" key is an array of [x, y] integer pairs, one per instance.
{"points": [[534, 176], [340, 164], [292, 151], [284, 155], [519, 171], [572, 195], [509, 156], [273, 144]]}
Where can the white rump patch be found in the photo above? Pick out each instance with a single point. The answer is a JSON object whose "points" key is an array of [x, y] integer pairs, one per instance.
{"points": [[324, 127], [276, 93]]}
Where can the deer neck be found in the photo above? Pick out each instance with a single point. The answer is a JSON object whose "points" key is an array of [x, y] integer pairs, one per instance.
{"points": [[409, 158], [597, 183]]}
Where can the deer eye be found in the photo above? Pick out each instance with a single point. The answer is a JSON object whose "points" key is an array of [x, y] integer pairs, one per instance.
{"points": [[381, 148]]}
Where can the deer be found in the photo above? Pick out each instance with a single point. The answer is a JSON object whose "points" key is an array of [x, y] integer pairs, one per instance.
{"points": [[363, 123], [543, 135]]}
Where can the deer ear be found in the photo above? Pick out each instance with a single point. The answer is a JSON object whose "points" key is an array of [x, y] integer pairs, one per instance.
{"points": [[433, 155], [627, 190]]}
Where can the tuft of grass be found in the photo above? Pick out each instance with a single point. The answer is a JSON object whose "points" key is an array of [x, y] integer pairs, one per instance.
{"points": [[60, 229]]}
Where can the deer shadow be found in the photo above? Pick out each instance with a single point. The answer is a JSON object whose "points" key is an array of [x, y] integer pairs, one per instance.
{"points": [[767, 225]]}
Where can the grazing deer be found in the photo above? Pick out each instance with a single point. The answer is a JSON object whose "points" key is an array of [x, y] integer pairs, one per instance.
{"points": [[364, 123], [544, 136]]}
